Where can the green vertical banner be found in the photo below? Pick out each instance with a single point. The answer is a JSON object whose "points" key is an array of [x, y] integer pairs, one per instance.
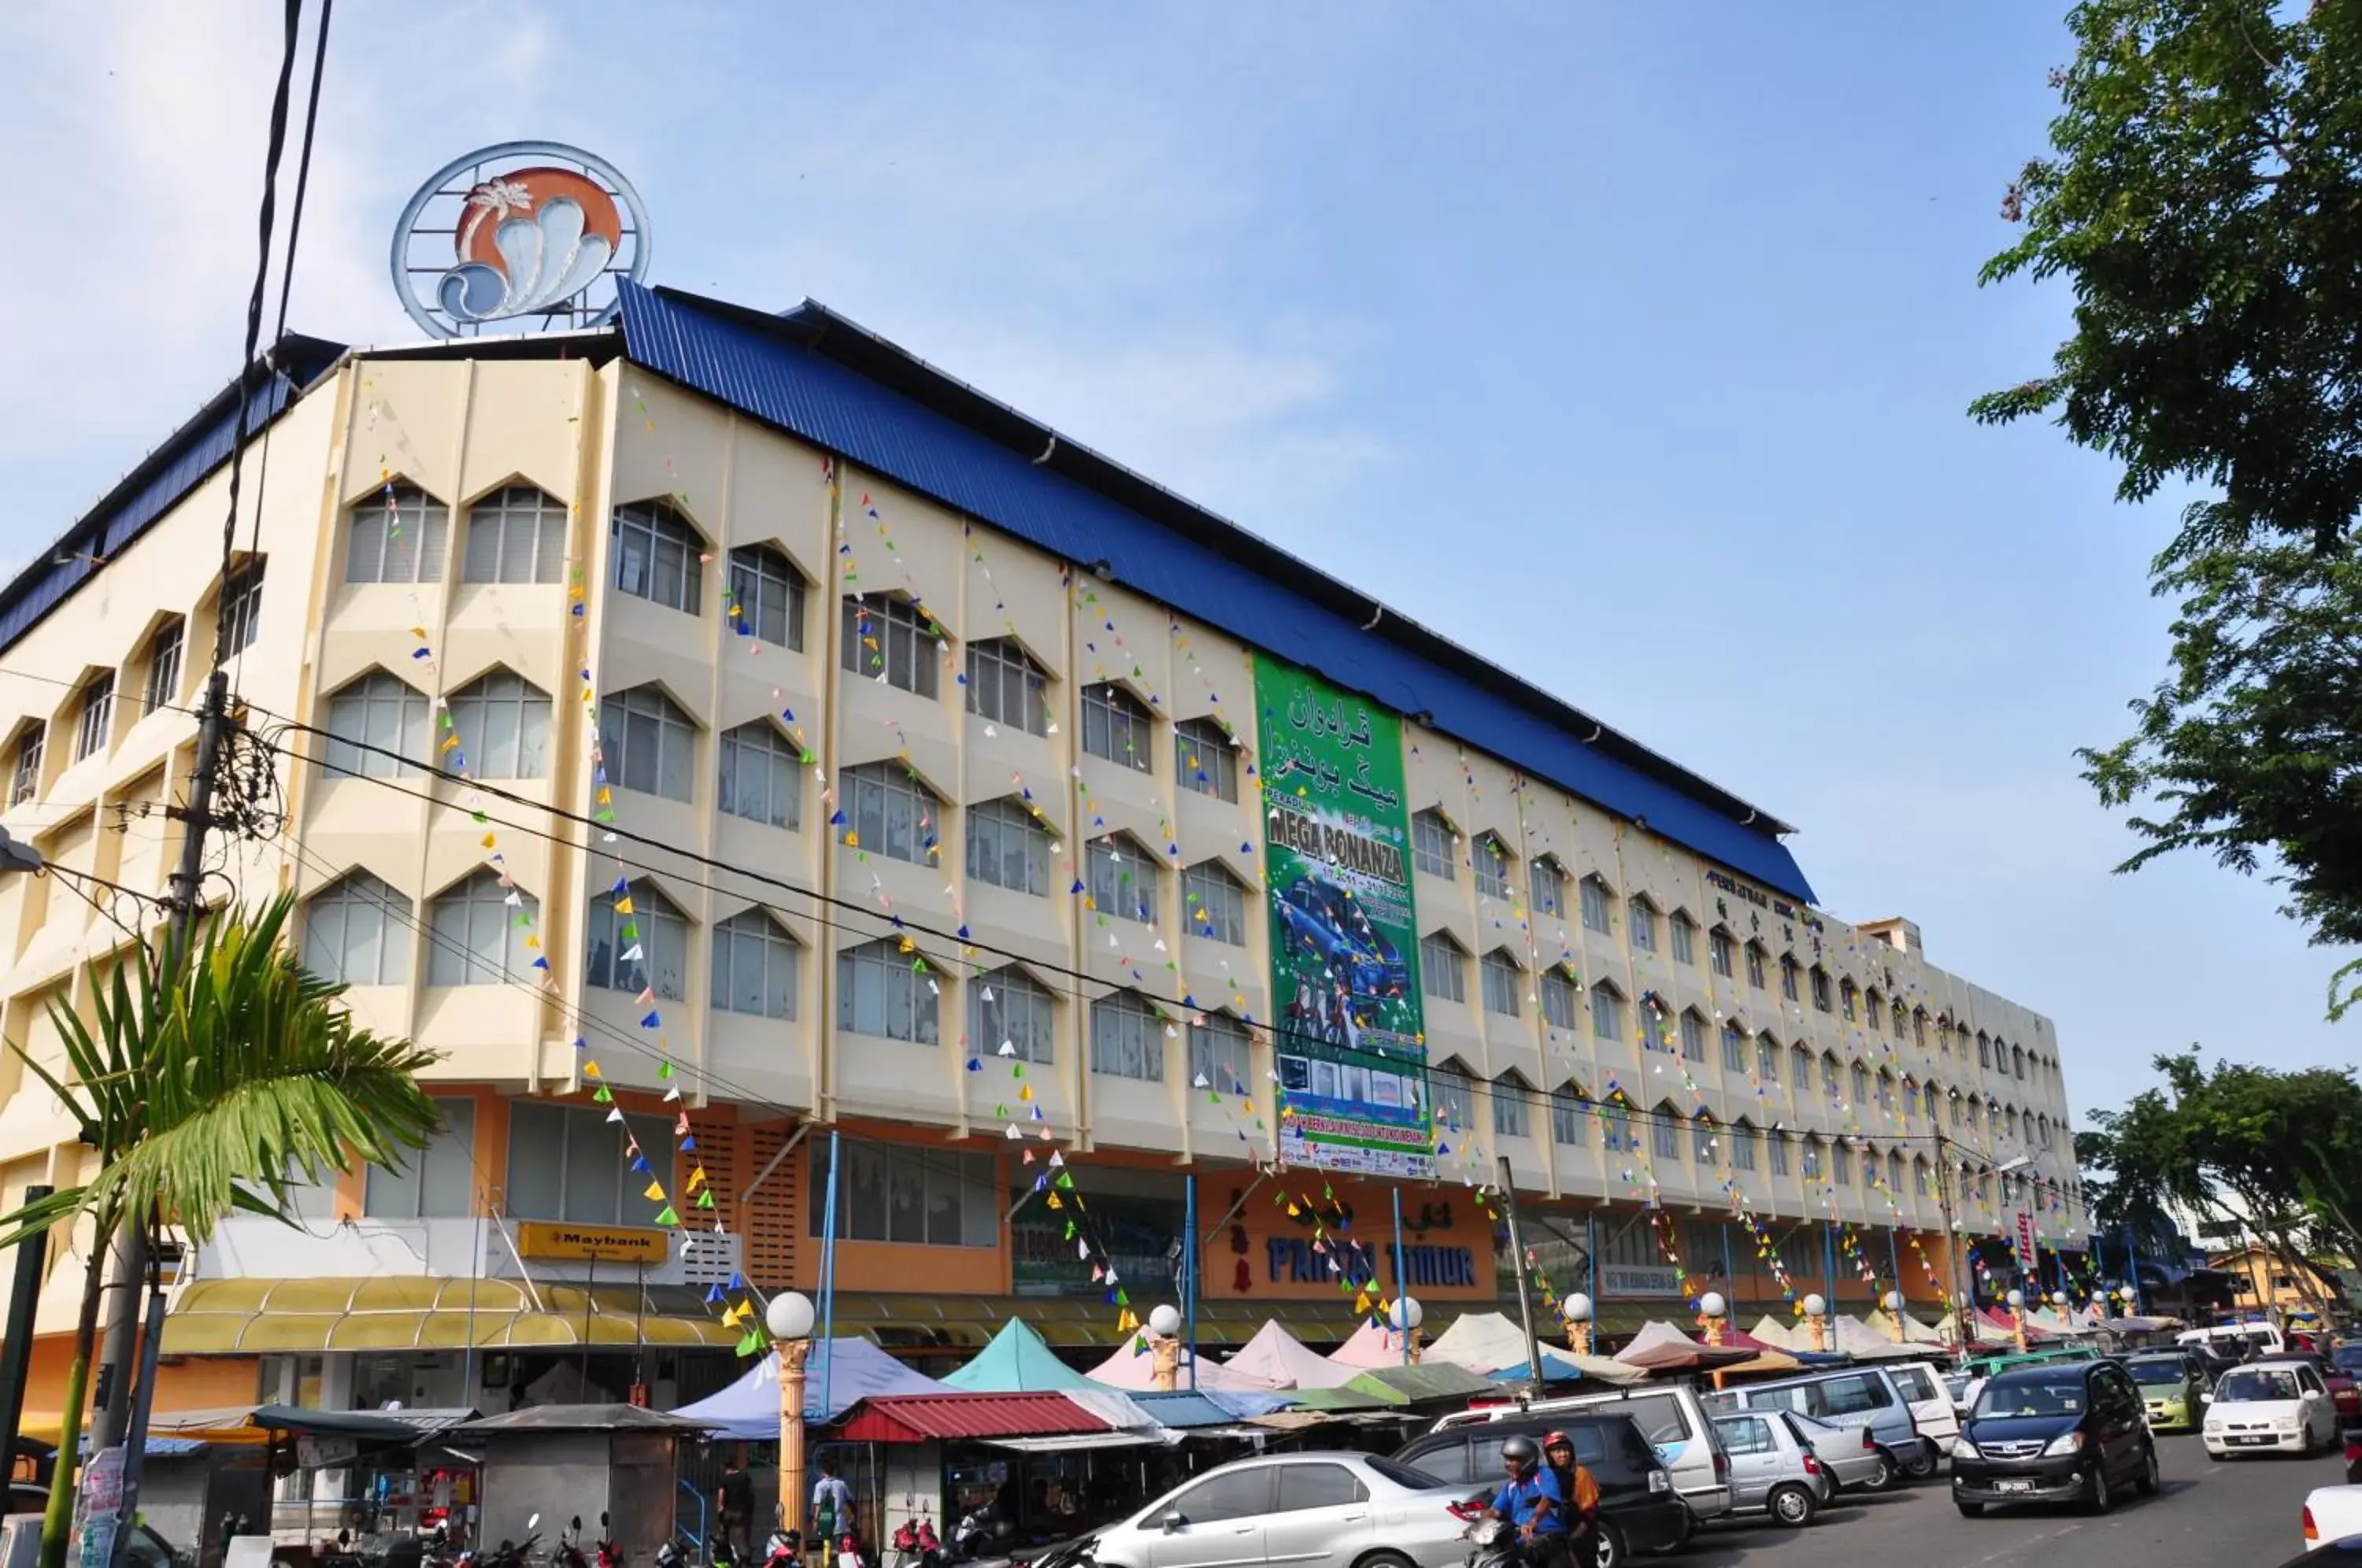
{"points": [[1352, 1042]]}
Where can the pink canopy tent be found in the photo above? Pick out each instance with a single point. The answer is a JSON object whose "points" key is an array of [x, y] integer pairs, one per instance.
{"points": [[1661, 1347], [1283, 1361], [1370, 1347], [1135, 1370]]}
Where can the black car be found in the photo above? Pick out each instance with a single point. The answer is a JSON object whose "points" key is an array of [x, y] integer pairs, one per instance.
{"points": [[2067, 1431], [1639, 1509]]}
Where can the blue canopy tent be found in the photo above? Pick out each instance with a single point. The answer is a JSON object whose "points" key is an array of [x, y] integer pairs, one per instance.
{"points": [[748, 1410], [1017, 1361]]}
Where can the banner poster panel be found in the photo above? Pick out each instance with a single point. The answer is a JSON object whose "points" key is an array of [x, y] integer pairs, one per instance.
{"points": [[1351, 1042]]}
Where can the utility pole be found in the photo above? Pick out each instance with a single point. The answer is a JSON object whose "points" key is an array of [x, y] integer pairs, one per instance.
{"points": [[1525, 1297], [1961, 1303]]}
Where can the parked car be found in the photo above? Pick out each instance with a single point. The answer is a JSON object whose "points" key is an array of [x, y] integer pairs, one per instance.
{"points": [[1849, 1454], [1852, 1396], [2070, 1431], [1772, 1470], [2173, 1386], [2343, 1395], [2268, 1406], [1326, 1510], [2332, 1514], [1930, 1402], [2354, 1458], [2347, 1358], [1669, 1415], [1640, 1510], [2236, 1340]]}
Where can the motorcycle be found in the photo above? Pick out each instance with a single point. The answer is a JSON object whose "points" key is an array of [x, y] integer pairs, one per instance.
{"points": [[1492, 1540], [782, 1550], [915, 1545], [611, 1555], [972, 1535], [570, 1546]]}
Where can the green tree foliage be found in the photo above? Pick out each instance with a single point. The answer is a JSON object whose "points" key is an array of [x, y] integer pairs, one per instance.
{"points": [[214, 1077], [2204, 196]]}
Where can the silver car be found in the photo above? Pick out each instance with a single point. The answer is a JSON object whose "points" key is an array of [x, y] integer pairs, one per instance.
{"points": [[1318, 1510], [1772, 1469], [1849, 1454]]}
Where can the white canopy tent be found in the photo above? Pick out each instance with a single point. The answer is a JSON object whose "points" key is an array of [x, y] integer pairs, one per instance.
{"points": [[1277, 1359]]}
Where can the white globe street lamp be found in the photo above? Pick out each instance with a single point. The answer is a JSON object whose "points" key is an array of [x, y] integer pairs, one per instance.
{"points": [[789, 1318]]}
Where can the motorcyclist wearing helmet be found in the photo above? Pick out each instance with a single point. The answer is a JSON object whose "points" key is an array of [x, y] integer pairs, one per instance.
{"points": [[1577, 1486], [1532, 1500]]}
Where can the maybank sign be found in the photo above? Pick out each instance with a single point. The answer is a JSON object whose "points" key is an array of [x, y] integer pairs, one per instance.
{"points": [[552, 1241]]}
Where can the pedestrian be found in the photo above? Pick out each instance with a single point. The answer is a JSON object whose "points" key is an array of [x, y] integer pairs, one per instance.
{"points": [[831, 1509], [734, 1500], [1579, 1487]]}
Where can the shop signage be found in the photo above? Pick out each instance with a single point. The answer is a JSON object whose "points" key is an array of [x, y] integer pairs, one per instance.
{"points": [[557, 1241], [1296, 1239], [316, 1452], [2026, 1259], [1344, 942], [1630, 1279]]}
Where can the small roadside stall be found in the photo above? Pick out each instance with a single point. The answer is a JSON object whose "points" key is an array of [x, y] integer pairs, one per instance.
{"points": [[567, 1461]]}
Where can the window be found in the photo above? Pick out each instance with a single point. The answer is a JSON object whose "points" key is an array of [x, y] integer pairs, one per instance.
{"points": [[1745, 1434], [1901, 1017], [357, 932], [1849, 999], [1918, 1027], [1008, 848], [1802, 1060], [1007, 1007], [1840, 1169], [762, 776], [646, 744], [1885, 1090], [1755, 956], [878, 993], [1569, 1116], [1779, 1153], [1859, 1081], [1122, 878], [892, 1192], [1561, 1002], [1788, 987], [1547, 885], [91, 729], [1734, 1049], [1006, 687], [1701, 1142], [1821, 990], [656, 557], [1683, 933], [1490, 863], [1607, 1012], [478, 929], [1511, 1108], [1931, 1102], [163, 687], [891, 642], [766, 596], [1127, 1038], [1984, 1052], [1205, 760], [1116, 726], [1651, 1016], [1875, 1008], [377, 728], [1214, 904], [1742, 1147], [1767, 1058], [241, 608], [1237, 1494], [1955, 1107], [1221, 1057], [1717, 952], [1498, 971], [1812, 1159], [437, 1182], [26, 782], [1441, 968], [503, 723], [2017, 1060], [887, 812], [1618, 1130], [1693, 1037], [1869, 1170], [1318, 1486], [515, 534], [638, 941], [567, 1163], [1920, 1176], [398, 535], [1640, 920], [754, 964], [1894, 1171], [1595, 894], [1455, 1103], [1830, 1078], [1432, 845], [1665, 1133]]}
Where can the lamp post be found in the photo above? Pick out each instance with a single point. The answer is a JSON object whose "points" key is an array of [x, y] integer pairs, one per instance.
{"points": [[1165, 1344], [1713, 1317], [2018, 1318], [1892, 1302], [1408, 1315], [789, 1318], [1576, 1310], [1817, 1317], [2130, 1298]]}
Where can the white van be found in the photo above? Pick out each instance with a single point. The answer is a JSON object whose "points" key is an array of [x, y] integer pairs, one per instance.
{"points": [[2233, 1339], [1930, 1401], [1670, 1416]]}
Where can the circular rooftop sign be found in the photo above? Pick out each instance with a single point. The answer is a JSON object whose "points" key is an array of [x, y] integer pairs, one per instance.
{"points": [[522, 235]]}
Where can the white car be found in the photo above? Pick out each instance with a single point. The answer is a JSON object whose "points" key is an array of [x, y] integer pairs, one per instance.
{"points": [[2268, 1406], [1319, 1510], [2331, 1513]]}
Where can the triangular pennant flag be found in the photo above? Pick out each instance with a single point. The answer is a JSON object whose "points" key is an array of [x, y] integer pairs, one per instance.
{"points": [[655, 1193], [665, 1215]]}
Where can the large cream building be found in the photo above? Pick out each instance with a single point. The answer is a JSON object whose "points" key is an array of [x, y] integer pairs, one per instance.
{"points": [[929, 761]]}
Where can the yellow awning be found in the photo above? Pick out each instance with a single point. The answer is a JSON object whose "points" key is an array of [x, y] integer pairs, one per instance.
{"points": [[250, 1316]]}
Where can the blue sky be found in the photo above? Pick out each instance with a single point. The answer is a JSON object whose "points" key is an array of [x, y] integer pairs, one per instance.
{"points": [[1652, 323]]}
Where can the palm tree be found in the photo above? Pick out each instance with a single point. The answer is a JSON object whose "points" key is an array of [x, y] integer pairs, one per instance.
{"points": [[216, 1076]]}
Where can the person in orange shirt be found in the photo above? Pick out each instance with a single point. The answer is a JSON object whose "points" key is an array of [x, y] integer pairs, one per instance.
{"points": [[1581, 1490]]}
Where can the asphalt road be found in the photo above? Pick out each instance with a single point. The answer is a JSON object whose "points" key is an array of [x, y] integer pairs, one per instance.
{"points": [[2244, 1515]]}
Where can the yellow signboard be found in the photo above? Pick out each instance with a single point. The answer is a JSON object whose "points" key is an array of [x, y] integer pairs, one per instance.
{"points": [[556, 1242]]}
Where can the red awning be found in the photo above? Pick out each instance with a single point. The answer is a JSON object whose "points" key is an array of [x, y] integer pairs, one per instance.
{"points": [[927, 1417]]}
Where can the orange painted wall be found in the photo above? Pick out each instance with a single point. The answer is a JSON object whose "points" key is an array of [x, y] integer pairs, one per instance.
{"points": [[900, 1268], [187, 1383], [1272, 1251]]}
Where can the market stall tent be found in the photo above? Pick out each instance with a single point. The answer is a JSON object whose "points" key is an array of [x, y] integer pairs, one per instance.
{"points": [[1488, 1343], [1661, 1347], [1016, 1361], [1283, 1361], [748, 1410], [1371, 1345], [1133, 1368]]}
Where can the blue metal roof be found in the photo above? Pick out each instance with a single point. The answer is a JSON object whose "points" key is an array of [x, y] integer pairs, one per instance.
{"points": [[832, 383], [157, 485]]}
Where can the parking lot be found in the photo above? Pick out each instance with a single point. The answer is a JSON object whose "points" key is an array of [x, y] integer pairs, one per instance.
{"points": [[2209, 1515]]}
